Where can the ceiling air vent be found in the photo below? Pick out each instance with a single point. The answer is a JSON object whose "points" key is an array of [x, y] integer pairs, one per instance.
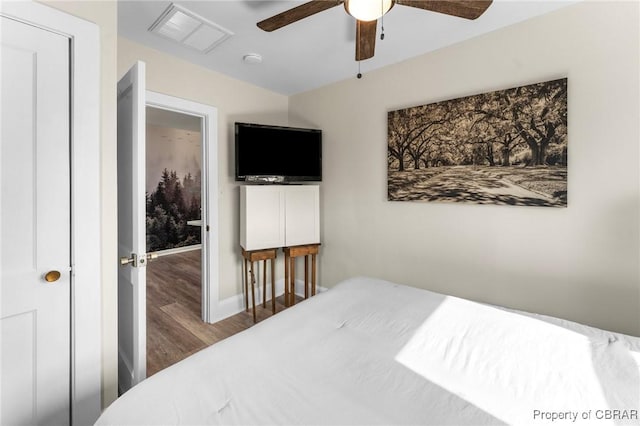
{"points": [[191, 30]]}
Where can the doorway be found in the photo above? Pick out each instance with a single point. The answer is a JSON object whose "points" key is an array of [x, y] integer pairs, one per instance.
{"points": [[174, 196], [181, 231]]}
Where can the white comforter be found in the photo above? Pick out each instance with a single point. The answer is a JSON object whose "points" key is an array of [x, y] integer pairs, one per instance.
{"points": [[372, 352]]}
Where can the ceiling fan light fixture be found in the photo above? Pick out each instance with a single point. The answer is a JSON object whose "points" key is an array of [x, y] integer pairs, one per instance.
{"points": [[367, 10]]}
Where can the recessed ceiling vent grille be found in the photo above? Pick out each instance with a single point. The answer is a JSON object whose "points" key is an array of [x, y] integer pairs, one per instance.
{"points": [[191, 30]]}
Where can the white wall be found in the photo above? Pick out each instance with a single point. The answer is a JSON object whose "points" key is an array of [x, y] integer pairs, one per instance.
{"points": [[580, 262], [235, 101]]}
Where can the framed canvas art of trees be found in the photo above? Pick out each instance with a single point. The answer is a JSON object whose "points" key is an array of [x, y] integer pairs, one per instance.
{"points": [[504, 147]]}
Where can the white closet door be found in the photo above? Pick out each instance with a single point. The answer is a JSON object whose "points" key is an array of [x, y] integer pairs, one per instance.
{"points": [[35, 226]]}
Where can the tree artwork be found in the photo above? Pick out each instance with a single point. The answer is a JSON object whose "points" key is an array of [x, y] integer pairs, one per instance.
{"points": [[169, 207], [503, 147]]}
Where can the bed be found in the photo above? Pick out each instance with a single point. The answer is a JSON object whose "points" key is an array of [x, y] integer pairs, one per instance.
{"points": [[373, 352]]}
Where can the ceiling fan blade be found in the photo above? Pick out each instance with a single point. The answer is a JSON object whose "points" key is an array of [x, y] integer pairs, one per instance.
{"points": [[297, 13], [365, 39], [468, 9]]}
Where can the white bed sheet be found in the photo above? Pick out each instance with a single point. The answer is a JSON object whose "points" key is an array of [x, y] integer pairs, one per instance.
{"points": [[370, 352]]}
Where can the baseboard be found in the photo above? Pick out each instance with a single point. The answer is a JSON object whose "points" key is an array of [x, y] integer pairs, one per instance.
{"points": [[235, 304]]}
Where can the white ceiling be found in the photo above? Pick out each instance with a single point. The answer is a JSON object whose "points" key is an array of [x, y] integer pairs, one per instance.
{"points": [[317, 50]]}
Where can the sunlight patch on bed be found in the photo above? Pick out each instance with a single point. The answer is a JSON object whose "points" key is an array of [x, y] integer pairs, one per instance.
{"points": [[515, 367]]}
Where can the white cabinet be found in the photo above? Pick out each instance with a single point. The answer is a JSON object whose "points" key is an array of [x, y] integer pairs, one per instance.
{"points": [[302, 215], [261, 217], [279, 216]]}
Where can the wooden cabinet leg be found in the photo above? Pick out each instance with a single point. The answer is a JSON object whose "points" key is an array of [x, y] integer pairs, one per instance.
{"points": [[273, 286], [306, 276], [246, 286], [292, 271], [264, 283], [253, 292], [286, 279], [313, 274]]}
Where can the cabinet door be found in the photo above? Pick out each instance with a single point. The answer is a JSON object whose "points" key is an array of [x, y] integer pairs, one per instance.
{"points": [[302, 213], [262, 217]]}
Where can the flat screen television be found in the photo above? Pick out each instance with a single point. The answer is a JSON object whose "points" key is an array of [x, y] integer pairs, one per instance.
{"points": [[277, 154]]}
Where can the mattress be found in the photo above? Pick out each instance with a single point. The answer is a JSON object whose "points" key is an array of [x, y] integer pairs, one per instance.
{"points": [[373, 352]]}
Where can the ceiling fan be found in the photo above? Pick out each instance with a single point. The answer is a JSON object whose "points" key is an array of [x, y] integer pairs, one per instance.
{"points": [[367, 13]]}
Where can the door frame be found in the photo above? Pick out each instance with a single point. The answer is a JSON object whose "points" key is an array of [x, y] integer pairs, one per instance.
{"points": [[210, 232], [86, 244]]}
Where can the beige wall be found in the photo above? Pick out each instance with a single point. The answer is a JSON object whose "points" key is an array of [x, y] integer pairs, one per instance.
{"points": [[105, 15], [579, 263], [235, 101]]}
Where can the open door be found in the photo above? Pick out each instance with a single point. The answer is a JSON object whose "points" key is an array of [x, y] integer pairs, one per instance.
{"points": [[131, 229]]}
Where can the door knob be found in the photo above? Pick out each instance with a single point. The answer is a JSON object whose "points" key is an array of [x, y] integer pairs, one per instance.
{"points": [[137, 262], [133, 260], [52, 276]]}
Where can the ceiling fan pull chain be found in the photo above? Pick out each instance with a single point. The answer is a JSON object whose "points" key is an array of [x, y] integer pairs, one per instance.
{"points": [[359, 73], [382, 20]]}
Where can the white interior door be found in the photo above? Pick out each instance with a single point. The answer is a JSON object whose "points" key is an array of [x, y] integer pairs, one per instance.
{"points": [[132, 345], [35, 226]]}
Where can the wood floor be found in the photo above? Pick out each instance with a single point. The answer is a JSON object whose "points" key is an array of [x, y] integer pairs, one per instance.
{"points": [[174, 327]]}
